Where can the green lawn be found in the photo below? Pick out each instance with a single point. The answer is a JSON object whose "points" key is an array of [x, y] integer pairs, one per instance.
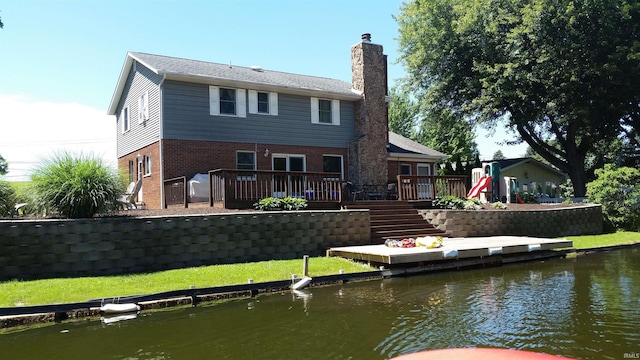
{"points": [[594, 241], [54, 291]]}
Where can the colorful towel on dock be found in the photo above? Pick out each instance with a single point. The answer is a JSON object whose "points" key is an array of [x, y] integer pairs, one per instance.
{"points": [[430, 242], [404, 243]]}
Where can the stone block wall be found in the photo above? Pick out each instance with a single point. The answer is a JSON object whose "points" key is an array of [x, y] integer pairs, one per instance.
{"points": [[551, 223], [106, 246]]}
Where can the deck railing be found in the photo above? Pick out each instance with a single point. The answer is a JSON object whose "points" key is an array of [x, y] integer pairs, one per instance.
{"points": [[421, 187], [242, 188], [175, 192]]}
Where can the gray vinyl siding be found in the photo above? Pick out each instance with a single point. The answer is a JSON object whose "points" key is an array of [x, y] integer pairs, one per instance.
{"points": [[186, 117], [139, 81]]}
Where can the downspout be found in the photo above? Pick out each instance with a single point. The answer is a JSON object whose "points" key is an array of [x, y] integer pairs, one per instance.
{"points": [[160, 142]]}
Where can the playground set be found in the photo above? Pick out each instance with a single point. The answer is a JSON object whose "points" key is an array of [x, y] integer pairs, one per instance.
{"points": [[489, 188]]}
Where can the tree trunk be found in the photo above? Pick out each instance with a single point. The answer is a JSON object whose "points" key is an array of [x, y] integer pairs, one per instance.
{"points": [[577, 173]]}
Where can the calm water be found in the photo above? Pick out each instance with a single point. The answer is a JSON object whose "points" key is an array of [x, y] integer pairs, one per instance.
{"points": [[587, 308]]}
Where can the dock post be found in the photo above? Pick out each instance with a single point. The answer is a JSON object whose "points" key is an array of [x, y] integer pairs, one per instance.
{"points": [[305, 265]]}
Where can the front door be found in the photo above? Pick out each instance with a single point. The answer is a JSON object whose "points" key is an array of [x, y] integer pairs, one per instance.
{"points": [[424, 184], [292, 185]]}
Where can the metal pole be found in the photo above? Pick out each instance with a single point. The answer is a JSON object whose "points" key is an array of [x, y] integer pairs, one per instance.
{"points": [[305, 265]]}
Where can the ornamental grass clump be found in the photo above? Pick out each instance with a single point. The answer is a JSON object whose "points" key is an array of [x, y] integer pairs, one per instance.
{"points": [[77, 186]]}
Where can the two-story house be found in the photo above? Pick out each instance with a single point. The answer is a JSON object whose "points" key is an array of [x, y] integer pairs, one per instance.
{"points": [[179, 117]]}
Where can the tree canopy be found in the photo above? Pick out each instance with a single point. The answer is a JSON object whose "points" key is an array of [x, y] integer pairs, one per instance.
{"points": [[4, 167], [564, 74]]}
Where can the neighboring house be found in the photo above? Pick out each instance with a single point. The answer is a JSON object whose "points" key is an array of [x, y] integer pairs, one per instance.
{"points": [[179, 117], [533, 176]]}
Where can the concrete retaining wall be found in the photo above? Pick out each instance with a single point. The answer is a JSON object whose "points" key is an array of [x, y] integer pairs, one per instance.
{"points": [[103, 246], [550, 223]]}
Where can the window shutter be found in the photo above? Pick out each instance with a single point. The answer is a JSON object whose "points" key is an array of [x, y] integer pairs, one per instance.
{"points": [[273, 104], [140, 110], [241, 103], [214, 100], [145, 106], [335, 112], [124, 128], [315, 116], [253, 102]]}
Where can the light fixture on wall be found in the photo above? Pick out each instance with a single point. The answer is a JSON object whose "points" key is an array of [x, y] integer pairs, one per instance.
{"points": [[526, 175], [266, 152], [139, 157]]}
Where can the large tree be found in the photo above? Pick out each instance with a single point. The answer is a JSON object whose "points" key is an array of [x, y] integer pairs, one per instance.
{"points": [[403, 113], [4, 167], [442, 130], [564, 74]]}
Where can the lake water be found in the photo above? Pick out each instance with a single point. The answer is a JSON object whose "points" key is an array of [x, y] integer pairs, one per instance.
{"points": [[586, 308]]}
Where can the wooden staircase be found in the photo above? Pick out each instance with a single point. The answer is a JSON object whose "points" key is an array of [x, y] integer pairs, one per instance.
{"points": [[395, 220]]}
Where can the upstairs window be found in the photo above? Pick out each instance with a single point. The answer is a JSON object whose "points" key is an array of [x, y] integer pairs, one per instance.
{"points": [[227, 101], [325, 111], [124, 117], [143, 108], [263, 103]]}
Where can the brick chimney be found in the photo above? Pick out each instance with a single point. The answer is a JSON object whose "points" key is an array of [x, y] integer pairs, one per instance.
{"points": [[368, 152]]}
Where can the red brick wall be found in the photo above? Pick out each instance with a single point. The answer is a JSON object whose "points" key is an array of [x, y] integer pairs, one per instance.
{"points": [[394, 168], [150, 183], [187, 158]]}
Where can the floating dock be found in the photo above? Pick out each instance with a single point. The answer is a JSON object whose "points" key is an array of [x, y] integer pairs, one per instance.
{"points": [[452, 249]]}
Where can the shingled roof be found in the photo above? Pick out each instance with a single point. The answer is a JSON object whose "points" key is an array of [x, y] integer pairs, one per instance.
{"points": [[401, 146], [256, 78]]}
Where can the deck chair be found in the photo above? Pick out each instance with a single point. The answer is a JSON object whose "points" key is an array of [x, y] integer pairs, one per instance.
{"points": [[128, 199]]}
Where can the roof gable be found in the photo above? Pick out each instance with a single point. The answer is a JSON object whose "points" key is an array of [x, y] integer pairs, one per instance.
{"points": [[506, 164], [232, 75]]}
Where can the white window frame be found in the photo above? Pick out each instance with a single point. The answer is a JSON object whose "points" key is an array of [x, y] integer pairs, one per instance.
{"points": [[410, 169], [253, 103], [143, 107], [147, 164], [214, 101], [125, 118], [315, 111], [255, 160], [341, 163]]}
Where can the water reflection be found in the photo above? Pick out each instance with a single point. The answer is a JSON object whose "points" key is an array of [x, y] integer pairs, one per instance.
{"points": [[586, 308]]}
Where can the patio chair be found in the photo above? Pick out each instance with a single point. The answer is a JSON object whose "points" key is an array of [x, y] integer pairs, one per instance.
{"points": [[354, 193], [128, 199]]}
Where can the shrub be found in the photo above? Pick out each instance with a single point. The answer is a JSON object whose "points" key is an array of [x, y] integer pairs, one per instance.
{"points": [[618, 191], [77, 186], [529, 198], [456, 203], [273, 203], [8, 198], [290, 203], [498, 205], [267, 204]]}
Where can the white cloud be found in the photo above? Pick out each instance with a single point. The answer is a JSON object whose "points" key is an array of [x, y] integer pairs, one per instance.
{"points": [[32, 130]]}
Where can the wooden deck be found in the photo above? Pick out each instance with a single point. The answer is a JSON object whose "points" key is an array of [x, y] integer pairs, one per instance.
{"points": [[453, 249]]}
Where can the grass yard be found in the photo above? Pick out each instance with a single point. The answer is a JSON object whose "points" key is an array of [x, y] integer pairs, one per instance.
{"points": [[594, 241], [55, 291]]}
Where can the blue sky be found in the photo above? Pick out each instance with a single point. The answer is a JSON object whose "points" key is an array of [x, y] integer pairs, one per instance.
{"points": [[60, 59]]}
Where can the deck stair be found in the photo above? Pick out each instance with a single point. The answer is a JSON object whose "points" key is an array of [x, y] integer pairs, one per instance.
{"points": [[395, 220]]}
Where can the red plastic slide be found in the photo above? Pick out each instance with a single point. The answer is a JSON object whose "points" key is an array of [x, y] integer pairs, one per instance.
{"points": [[479, 186]]}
